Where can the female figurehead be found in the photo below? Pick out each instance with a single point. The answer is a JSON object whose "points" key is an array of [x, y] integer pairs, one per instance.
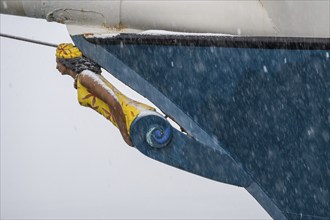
{"points": [[96, 92]]}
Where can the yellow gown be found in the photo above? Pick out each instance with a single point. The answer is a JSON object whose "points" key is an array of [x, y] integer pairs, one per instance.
{"points": [[130, 108]]}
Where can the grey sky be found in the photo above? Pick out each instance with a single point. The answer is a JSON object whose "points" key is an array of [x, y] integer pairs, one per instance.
{"points": [[61, 160]]}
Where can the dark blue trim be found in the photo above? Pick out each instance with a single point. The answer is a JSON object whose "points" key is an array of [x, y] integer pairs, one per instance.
{"points": [[288, 43]]}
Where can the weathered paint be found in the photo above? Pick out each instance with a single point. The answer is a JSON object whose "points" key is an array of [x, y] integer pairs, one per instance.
{"points": [[249, 18]]}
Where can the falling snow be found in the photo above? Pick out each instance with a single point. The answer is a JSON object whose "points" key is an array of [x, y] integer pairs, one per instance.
{"points": [[265, 69], [5, 6], [99, 81]]}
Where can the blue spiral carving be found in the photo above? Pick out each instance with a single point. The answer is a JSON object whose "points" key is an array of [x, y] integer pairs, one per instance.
{"points": [[151, 130], [158, 136]]}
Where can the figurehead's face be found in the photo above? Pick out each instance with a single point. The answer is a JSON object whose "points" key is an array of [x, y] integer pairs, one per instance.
{"points": [[64, 70], [61, 68], [70, 61], [64, 53]]}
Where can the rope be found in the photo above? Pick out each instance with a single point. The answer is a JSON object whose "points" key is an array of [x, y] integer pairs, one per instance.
{"points": [[28, 40]]}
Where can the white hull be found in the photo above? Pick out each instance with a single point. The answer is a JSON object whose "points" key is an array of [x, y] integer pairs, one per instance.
{"points": [[285, 18]]}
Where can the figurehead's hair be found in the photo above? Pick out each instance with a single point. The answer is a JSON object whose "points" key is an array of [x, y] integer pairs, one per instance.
{"points": [[72, 58]]}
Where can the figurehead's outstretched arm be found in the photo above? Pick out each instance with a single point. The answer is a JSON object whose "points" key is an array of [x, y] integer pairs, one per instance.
{"points": [[104, 95], [96, 92]]}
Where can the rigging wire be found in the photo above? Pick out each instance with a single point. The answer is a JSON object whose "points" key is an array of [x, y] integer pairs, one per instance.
{"points": [[28, 40]]}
